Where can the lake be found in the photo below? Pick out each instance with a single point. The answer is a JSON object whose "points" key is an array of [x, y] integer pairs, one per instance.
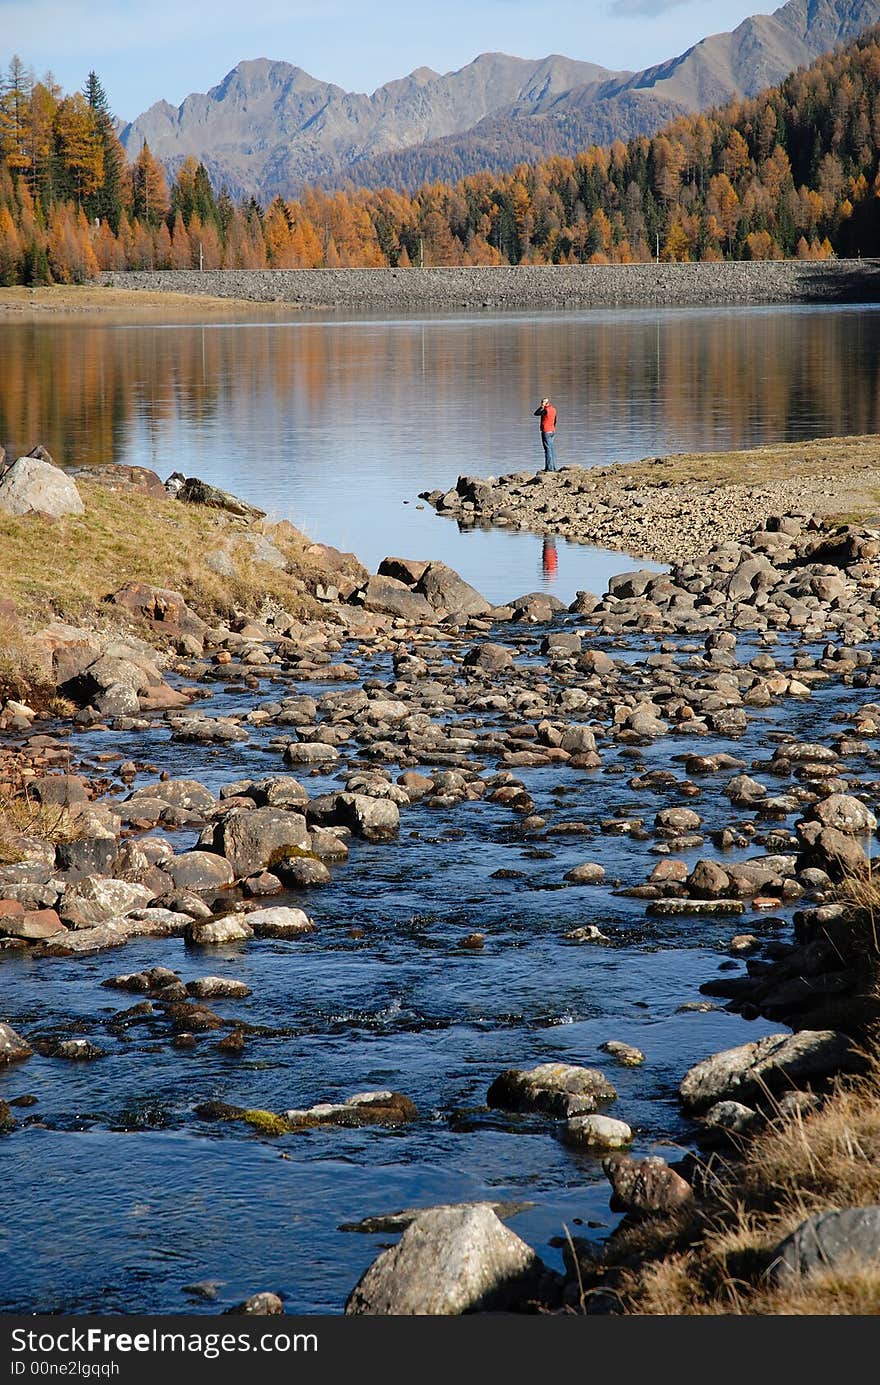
{"points": [[338, 424]]}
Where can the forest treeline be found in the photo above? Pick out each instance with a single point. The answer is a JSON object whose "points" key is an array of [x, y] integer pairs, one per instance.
{"points": [[790, 173]]}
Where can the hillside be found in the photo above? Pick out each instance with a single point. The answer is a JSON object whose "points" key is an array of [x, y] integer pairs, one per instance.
{"points": [[269, 128]]}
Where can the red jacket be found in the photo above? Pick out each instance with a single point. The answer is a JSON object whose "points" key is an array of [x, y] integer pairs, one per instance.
{"points": [[548, 418]]}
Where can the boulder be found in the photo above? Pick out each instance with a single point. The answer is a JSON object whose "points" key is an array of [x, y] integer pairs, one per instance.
{"points": [[491, 658], [589, 873], [776, 1062], [374, 819], [597, 1132], [197, 492], [233, 928], [254, 839], [98, 898], [13, 1048], [450, 1261], [844, 813], [31, 486], [445, 590], [645, 1187], [164, 611], [388, 596], [280, 922], [843, 1239], [557, 1089], [199, 871]]}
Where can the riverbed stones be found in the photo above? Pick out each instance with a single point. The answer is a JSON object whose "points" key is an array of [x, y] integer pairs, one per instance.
{"points": [[774, 1063], [844, 813], [626, 1054], [450, 1261], [217, 988], [588, 873], [556, 1089], [374, 819], [445, 590], [31, 486]]}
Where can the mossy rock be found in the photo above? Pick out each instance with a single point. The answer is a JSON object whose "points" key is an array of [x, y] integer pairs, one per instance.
{"points": [[266, 1122]]}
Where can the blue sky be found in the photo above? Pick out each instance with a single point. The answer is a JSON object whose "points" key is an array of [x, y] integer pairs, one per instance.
{"points": [[165, 49]]}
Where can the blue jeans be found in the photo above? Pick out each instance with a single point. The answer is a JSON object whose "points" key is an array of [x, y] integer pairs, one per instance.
{"points": [[549, 442]]}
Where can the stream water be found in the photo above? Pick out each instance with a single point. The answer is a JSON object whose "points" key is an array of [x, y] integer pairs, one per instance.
{"points": [[118, 1197]]}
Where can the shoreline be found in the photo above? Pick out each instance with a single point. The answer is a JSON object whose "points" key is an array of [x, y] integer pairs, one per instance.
{"points": [[525, 287], [95, 300], [666, 509]]}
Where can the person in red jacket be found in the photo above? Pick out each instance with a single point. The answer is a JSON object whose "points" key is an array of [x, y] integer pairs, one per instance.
{"points": [[547, 414]]}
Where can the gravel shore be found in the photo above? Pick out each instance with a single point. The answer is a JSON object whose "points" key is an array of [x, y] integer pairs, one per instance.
{"points": [[528, 286]]}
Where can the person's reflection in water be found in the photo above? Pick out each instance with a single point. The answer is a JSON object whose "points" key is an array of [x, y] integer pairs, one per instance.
{"points": [[549, 559]]}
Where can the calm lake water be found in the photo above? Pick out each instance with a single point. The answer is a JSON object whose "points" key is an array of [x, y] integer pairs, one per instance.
{"points": [[337, 425], [121, 1197]]}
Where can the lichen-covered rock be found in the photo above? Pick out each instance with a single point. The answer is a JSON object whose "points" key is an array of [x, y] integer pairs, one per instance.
{"points": [[13, 1048], [645, 1187], [31, 485]]}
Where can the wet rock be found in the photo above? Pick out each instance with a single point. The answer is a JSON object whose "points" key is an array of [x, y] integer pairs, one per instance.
{"points": [[597, 1132], [645, 1187], [280, 922], [32, 486], [302, 872], [849, 1238], [83, 941], [674, 908], [365, 1108], [779, 1060], [589, 873], [76, 1050], [448, 1262], [586, 933], [262, 1305], [217, 988], [707, 880], [233, 928], [557, 1089], [399, 1221], [13, 1048], [626, 1054], [254, 840]]}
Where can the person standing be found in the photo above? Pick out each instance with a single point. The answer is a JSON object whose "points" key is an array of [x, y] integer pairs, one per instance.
{"points": [[547, 414]]}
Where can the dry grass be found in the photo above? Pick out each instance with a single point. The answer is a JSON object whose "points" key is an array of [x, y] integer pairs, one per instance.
{"points": [[714, 1260], [752, 466], [22, 819], [66, 567], [74, 299]]}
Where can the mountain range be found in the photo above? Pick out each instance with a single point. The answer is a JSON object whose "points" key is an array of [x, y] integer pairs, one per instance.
{"points": [[270, 128]]}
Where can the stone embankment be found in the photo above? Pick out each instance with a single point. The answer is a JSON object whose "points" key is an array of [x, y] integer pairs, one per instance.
{"points": [[526, 287]]}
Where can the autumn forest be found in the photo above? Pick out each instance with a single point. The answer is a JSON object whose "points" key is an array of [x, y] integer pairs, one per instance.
{"points": [[794, 172]]}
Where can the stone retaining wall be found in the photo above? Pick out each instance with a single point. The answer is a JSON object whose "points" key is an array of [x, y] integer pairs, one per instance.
{"points": [[528, 286]]}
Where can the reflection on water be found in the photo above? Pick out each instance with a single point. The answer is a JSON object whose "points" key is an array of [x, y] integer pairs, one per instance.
{"points": [[338, 425], [549, 561]]}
